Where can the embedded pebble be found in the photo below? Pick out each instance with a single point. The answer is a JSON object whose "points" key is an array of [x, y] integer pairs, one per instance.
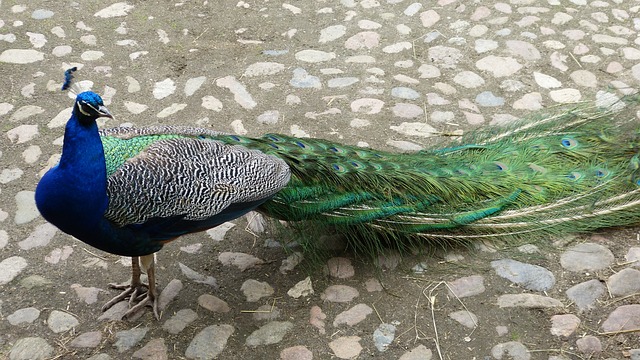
{"points": [[115, 10], [499, 66], [340, 268], [363, 40], [332, 33], [239, 91], [564, 325], [404, 93], [589, 345], [353, 316], [299, 352], [513, 349], [10, 268], [314, 56], [240, 260], [171, 109], [209, 342], [565, 95], [41, 236], [126, 339], [87, 294], [625, 317], [467, 286], [625, 282], [487, 98], [263, 69], [339, 293], [192, 85], [153, 350], [254, 290], [586, 257], [270, 333], [163, 88], [197, 277], [465, 318], [169, 293], [584, 295], [302, 79], [316, 318], [383, 336], [217, 233], [419, 352], [25, 315], [87, 340], [60, 321], [346, 347], [301, 288], [180, 321], [213, 303], [528, 301], [31, 348], [415, 129], [531, 277], [21, 56]]}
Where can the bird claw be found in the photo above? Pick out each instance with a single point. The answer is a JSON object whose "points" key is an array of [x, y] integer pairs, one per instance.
{"points": [[139, 297]]}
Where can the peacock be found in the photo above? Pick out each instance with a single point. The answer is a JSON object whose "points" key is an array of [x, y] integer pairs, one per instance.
{"points": [[128, 191]]}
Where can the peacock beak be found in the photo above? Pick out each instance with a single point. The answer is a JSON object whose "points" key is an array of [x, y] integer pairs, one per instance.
{"points": [[102, 110]]}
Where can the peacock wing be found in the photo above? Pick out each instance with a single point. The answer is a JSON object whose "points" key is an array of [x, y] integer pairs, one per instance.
{"points": [[186, 176]]}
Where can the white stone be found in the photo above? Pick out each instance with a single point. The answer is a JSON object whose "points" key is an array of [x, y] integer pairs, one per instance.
{"points": [[314, 56], [565, 95], [546, 81], [332, 33], [164, 88], [115, 10], [171, 109], [135, 108], [21, 56], [211, 103], [415, 129], [22, 133]]}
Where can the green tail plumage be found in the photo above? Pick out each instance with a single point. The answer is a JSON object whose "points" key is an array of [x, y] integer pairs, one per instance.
{"points": [[570, 172]]}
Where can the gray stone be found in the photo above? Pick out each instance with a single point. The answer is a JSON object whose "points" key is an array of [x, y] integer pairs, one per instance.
{"points": [[531, 277], [528, 301], [465, 318], [589, 345], [254, 290], [346, 347], [169, 293], [487, 98], [383, 336], [339, 293], [179, 321], [87, 340], [564, 325], [299, 352], [302, 79], [353, 316], [419, 352], [127, 339], [586, 257], [625, 282], [467, 286], [60, 321], [154, 350], [404, 93], [25, 315], [209, 342], [513, 349], [270, 333], [40, 14], [585, 294], [625, 317], [31, 348]]}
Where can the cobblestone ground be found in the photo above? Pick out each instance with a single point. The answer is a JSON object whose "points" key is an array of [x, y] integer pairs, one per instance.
{"points": [[385, 73]]}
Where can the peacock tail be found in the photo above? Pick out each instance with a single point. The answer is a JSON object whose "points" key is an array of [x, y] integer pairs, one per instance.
{"points": [[570, 172]]}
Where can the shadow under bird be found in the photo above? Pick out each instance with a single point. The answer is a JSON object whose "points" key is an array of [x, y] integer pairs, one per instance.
{"points": [[129, 191]]}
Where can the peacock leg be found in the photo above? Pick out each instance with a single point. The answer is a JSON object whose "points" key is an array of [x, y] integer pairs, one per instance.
{"points": [[151, 298], [136, 290]]}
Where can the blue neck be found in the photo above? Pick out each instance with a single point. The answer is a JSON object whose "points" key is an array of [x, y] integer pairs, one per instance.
{"points": [[73, 195]]}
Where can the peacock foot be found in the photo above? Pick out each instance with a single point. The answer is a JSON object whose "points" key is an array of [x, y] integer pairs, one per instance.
{"points": [[140, 295]]}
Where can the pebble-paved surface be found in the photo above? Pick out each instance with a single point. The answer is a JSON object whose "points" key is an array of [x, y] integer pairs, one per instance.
{"points": [[383, 73]]}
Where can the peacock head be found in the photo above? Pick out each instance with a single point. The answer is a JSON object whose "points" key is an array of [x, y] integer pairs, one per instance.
{"points": [[89, 107]]}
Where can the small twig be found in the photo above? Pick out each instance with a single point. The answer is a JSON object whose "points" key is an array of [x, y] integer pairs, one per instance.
{"points": [[96, 255]]}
